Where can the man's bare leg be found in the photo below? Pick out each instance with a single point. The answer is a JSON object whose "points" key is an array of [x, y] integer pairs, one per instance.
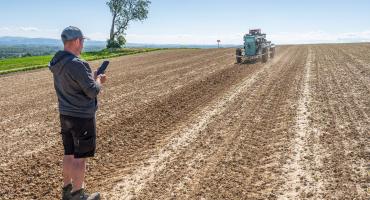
{"points": [[78, 173], [67, 169]]}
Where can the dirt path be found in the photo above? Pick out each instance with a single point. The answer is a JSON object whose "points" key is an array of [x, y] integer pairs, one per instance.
{"points": [[191, 124]]}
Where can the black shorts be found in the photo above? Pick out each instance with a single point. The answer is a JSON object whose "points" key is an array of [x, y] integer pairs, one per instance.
{"points": [[79, 136]]}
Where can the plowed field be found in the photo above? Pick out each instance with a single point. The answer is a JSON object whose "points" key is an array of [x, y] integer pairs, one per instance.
{"points": [[192, 124]]}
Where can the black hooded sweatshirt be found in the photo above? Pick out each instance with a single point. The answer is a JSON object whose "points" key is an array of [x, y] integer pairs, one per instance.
{"points": [[75, 86]]}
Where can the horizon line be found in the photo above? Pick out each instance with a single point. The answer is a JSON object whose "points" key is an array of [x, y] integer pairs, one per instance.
{"points": [[195, 44]]}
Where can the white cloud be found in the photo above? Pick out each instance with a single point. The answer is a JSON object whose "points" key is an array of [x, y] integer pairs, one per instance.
{"points": [[97, 36], [24, 31], [183, 39], [4, 28], [27, 29], [320, 37], [237, 38]]}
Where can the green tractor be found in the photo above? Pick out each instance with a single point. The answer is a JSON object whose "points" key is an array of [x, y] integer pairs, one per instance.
{"points": [[256, 48]]}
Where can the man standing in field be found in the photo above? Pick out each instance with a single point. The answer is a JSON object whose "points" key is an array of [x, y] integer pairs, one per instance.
{"points": [[77, 89]]}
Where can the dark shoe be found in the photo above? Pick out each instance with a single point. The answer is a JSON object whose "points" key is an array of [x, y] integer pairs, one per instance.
{"points": [[66, 193], [81, 195]]}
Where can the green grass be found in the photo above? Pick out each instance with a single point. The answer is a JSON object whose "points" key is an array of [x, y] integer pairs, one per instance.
{"points": [[35, 62]]}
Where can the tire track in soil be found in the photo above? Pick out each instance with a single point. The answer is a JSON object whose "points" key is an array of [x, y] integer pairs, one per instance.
{"points": [[250, 165], [304, 179], [131, 185], [165, 179], [182, 176]]}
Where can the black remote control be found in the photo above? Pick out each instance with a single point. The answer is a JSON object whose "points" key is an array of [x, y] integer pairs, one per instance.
{"points": [[103, 67]]}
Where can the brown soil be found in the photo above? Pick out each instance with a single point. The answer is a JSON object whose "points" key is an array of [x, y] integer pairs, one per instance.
{"points": [[191, 124]]}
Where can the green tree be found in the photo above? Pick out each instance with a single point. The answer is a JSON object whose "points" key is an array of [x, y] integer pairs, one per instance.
{"points": [[121, 40], [123, 12]]}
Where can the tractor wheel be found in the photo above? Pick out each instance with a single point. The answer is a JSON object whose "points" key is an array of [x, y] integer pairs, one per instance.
{"points": [[272, 54], [238, 53], [265, 56]]}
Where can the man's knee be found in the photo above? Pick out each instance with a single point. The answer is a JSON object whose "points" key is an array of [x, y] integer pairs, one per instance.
{"points": [[79, 161]]}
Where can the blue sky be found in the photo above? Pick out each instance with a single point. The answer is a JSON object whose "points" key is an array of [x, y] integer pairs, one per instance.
{"points": [[196, 21]]}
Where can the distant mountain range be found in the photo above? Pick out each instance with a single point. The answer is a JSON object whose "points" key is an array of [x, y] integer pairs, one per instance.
{"points": [[24, 41], [16, 41]]}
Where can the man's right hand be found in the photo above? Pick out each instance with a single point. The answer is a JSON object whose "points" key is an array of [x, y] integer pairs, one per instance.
{"points": [[102, 78]]}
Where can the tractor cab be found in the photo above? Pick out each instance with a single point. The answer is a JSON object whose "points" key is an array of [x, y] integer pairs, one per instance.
{"points": [[255, 46], [250, 45]]}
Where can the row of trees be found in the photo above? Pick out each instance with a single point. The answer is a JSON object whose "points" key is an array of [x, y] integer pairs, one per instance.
{"points": [[123, 12]]}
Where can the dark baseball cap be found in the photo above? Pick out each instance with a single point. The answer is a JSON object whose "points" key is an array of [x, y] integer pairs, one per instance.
{"points": [[72, 33]]}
